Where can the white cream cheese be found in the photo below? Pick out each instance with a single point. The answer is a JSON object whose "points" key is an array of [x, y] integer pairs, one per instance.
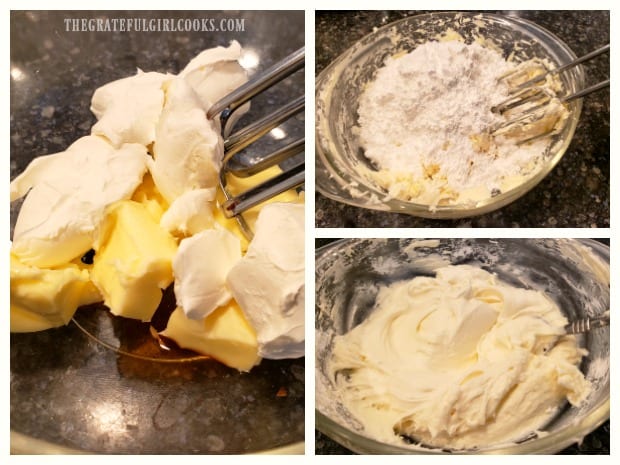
{"points": [[67, 193], [200, 269], [215, 72], [128, 109], [190, 213], [460, 360], [268, 283], [171, 111], [189, 148]]}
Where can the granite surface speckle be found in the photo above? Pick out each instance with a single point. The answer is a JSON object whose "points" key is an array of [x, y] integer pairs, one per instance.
{"points": [[574, 194]]}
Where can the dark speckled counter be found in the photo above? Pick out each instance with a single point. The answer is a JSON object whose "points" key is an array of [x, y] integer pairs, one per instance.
{"points": [[574, 194]]}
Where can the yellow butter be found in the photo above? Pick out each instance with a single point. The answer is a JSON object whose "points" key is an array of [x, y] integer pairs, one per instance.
{"points": [[148, 195], [47, 298], [238, 185], [224, 335], [133, 260]]}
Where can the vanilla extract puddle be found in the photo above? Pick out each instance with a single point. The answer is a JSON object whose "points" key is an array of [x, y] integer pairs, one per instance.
{"points": [[135, 338]]}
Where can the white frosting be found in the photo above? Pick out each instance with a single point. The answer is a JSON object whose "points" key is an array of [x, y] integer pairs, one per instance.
{"points": [[460, 360], [268, 283], [188, 148], [200, 268], [128, 109], [67, 195], [190, 213]]}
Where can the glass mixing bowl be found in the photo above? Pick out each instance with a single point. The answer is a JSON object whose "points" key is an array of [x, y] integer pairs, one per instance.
{"points": [[71, 393], [574, 273], [339, 154]]}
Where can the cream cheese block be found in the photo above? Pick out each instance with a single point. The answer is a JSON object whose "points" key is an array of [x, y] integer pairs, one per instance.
{"points": [[268, 282], [200, 270]]}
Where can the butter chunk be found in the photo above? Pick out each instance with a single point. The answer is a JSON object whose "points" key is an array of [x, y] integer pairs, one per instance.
{"points": [[47, 298], [224, 335], [148, 195], [133, 260]]}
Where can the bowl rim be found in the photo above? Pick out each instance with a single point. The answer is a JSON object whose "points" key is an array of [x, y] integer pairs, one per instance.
{"points": [[394, 205], [24, 444], [547, 444], [550, 444]]}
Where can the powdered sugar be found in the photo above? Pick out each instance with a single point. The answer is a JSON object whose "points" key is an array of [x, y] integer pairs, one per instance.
{"points": [[424, 114]]}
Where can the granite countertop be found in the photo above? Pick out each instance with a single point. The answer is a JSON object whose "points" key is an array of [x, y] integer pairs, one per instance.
{"points": [[574, 194]]}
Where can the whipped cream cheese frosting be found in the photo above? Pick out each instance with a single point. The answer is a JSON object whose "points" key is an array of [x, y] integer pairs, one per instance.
{"points": [[460, 360]]}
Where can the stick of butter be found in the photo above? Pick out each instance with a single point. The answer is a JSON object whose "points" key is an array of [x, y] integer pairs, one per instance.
{"points": [[133, 260], [224, 335], [47, 298]]}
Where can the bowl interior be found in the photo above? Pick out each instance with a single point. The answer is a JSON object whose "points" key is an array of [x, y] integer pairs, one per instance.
{"points": [[339, 152], [350, 273]]}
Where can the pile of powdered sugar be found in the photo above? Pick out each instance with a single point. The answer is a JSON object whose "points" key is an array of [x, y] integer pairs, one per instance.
{"points": [[424, 113]]}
